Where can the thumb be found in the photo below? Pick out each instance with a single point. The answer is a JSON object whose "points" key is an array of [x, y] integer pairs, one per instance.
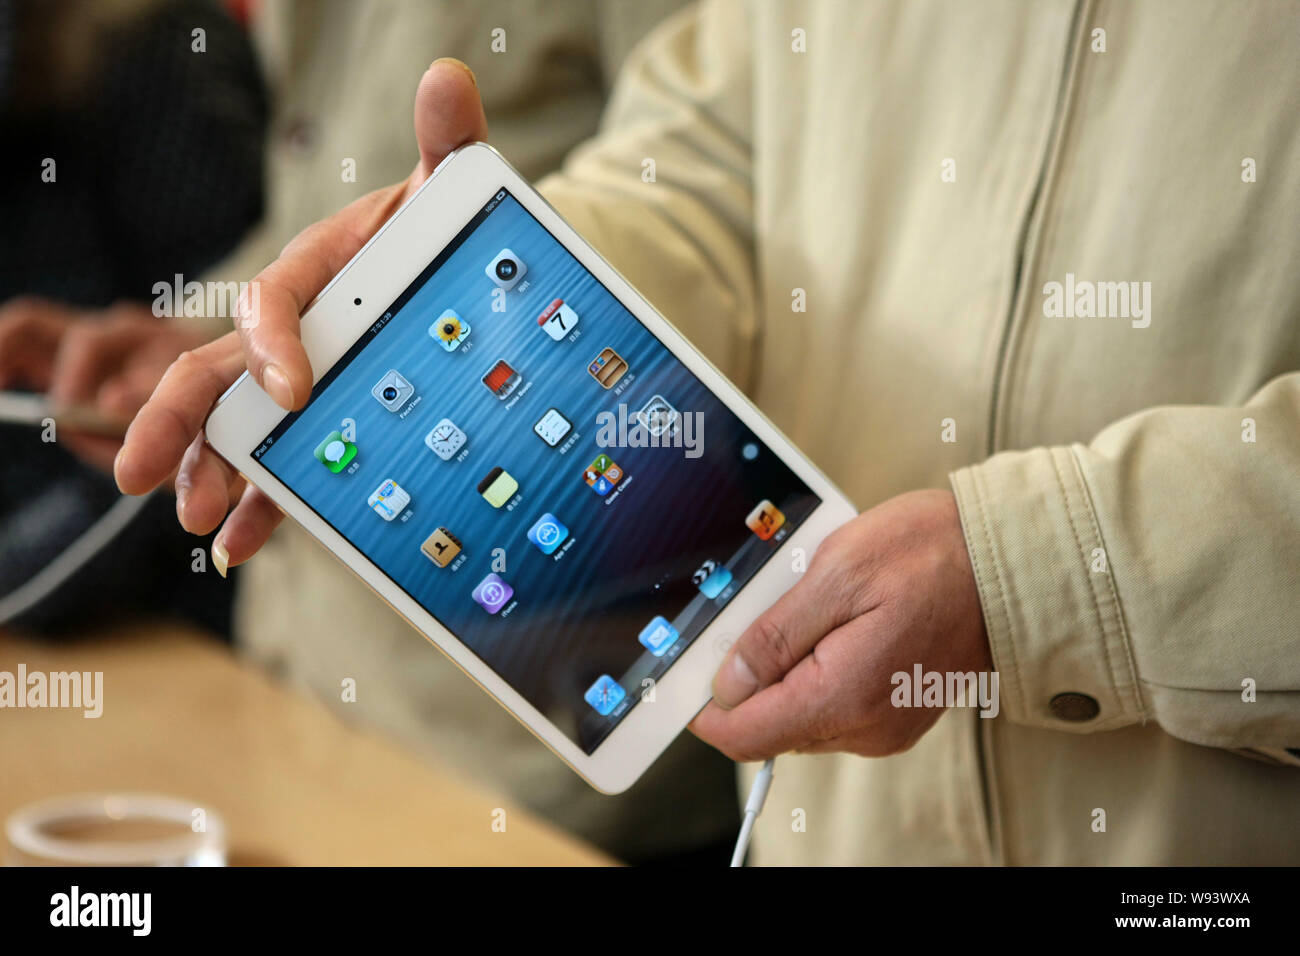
{"points": [[448, 112]]}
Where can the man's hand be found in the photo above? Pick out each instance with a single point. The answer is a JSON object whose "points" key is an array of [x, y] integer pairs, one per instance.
{"points": [[890, 589], [108, 361], [168, 432]]}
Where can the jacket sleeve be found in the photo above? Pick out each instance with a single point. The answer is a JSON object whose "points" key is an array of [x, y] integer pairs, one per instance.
{"points": [[1155, 570], [665, 193]]}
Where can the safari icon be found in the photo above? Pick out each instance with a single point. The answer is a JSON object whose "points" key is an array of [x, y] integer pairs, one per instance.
{"points": [[335, 452]]}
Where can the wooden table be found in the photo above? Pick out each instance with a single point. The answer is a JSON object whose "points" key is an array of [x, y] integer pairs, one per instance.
{"points": [[295, 785]]}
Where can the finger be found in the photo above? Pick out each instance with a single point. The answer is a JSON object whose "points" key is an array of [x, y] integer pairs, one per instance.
{"points": [[88, 354], [776, 720], [246, 530], [823, 599], [448, 112], [268, 315], [30, 330], [830, 692], [202, 488], [162, 431]]}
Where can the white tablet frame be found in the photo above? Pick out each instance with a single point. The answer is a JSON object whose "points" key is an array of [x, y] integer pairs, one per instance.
{"points": [[392, 259]]}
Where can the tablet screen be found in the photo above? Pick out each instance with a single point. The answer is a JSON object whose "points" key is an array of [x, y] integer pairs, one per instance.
{"points": [[518, 453]]}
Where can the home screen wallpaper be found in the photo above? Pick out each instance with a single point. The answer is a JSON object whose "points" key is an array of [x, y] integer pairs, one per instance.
{"points": [[520, 455]]}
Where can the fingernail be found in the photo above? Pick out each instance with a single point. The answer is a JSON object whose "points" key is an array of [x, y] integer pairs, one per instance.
{"points": [[734, 683], [117, 466], [276, 384], [220, 557], [459, 63]]}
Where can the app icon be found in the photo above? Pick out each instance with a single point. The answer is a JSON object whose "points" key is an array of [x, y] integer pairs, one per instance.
{"points": [[441, 547], [607, 368], [548, 534], [553, 427], [765, 520], [604, 695], [558, 320], [450, 330], [602, 475], [657, 416], [658, 636], [711, 578], [501, 380], [492, 593], [393, 390], [506, 269], [389, 500], [445, 439], [498, 487], [335, 452]]}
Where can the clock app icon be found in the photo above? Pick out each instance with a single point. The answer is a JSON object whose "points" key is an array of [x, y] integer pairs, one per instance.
{"points": [[445, 439]]}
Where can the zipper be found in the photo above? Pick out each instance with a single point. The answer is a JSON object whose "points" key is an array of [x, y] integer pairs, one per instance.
{"points": [[1025, 247], [1079, 20]]}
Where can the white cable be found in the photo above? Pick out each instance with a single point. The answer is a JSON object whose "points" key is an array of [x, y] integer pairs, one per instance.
{"points": [[753, 807], [72, 559]]}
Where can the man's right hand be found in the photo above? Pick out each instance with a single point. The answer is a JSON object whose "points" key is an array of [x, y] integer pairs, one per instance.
{"points": [[167, 434]]}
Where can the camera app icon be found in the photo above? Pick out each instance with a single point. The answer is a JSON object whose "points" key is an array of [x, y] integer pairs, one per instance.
{"points": [[393, 390], [506, 269]]}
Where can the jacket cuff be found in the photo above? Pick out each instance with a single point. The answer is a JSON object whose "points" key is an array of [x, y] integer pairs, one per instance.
{"points": [[1055, 624]]}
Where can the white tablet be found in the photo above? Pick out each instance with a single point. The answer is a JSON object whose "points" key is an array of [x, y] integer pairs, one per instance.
{"points": [[534, 468]]}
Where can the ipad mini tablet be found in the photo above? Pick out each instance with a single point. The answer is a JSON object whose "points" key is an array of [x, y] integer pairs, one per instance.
{"points": [[527, 462]]}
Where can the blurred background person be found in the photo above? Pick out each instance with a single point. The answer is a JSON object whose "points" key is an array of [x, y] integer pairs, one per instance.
{"points": [[119, 132], [341, 77]]}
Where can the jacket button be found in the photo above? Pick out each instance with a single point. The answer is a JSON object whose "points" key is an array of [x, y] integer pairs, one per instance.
{"points": [[1074, 707]]}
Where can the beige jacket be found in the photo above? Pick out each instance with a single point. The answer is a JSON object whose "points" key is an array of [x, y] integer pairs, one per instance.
{"points": [[807, 146], [1129, 486], [343, 79]]}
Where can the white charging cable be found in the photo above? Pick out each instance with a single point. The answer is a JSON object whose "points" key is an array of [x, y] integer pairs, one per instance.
{"points": [[753, 807]]}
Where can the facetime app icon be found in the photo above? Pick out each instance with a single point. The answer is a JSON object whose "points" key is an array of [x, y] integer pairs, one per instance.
{"points": [[393, 390]]}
